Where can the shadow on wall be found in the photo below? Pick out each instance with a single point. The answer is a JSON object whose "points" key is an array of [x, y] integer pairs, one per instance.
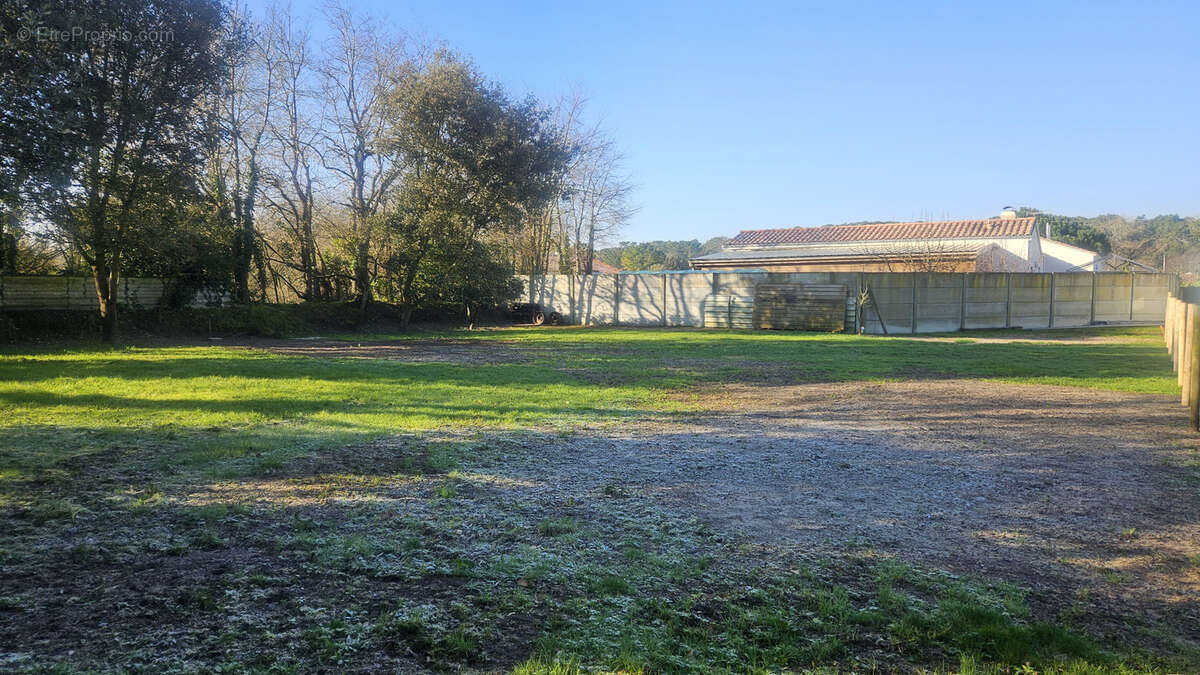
{"points": [[941, 301]]}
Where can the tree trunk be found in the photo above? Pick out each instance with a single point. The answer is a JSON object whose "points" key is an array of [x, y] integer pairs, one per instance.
{"points": [[362, 275], [108, 320], [242, 257], [106, 281]]}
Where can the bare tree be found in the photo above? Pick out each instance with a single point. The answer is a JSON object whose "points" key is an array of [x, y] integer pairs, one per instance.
{"points": [[361, 63], [596, 191], [924, 255], [593, 200], [242, 110], [597, 206], [294, 129]]}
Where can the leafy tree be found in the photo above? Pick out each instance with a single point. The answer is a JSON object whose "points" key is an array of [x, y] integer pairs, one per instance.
{"points": [[651, 255], [472, 160], [643, 257], [129, 139], [713, 245], [1070, 229]]}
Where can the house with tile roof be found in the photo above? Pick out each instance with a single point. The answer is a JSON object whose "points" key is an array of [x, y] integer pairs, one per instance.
{"points": [[1003, 244]]}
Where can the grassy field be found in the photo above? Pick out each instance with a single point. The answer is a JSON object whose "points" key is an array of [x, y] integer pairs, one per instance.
{"points": [[207, 507]]}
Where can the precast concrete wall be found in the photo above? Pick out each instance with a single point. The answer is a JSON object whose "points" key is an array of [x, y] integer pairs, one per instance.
{"points": [[900, 302]]}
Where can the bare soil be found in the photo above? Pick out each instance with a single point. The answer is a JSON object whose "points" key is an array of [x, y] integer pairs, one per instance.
{"points": [[1089, 498]]}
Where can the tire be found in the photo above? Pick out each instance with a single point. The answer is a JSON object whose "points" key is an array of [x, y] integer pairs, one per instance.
{"points": [[538, 319]]}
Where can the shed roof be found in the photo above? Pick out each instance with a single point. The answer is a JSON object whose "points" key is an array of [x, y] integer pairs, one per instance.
{"points": [[991, 228]]}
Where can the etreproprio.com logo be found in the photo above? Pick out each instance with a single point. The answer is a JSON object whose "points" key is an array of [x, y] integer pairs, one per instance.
{"points": [[102, 35]]}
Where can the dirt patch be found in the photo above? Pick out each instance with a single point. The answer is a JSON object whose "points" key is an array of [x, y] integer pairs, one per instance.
{"points": [[1087, 497]]}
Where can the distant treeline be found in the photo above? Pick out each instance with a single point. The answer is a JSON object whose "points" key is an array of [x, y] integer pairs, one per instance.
{"points": [[658, 255]]}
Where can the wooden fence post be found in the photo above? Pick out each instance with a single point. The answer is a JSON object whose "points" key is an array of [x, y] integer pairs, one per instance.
{"points": [[1181, 310], [1167, 324], [1174, 337], [1194, 372], [1174, 329], [1185, 364]]}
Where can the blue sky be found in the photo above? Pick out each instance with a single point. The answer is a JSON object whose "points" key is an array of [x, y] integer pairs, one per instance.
{"points": [[780, 114]]}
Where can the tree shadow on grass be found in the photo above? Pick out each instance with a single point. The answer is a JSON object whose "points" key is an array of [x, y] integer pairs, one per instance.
{"points": [[382, 554]]}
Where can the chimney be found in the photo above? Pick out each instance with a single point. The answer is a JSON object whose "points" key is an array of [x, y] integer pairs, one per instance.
{"points": [[1008, 213]]}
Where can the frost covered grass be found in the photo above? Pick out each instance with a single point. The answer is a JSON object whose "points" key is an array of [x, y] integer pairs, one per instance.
{"points": [[208, 508]]}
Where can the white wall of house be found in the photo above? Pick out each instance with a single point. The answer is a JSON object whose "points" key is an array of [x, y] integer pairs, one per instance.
{"points": [[997, 258], [1060, 257]]}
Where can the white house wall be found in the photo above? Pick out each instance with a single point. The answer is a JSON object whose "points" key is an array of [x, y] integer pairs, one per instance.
{"points": [[1060, 257]]}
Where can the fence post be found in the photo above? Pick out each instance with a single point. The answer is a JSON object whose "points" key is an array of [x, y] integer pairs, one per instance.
{"points": [[1180, 340], [1008, 300], [1092, 302], [664, 319], [914, 303], [1193, 377], [1131, 278], [1050, 320], [962, 300], [617, 299], [1167, 327], [1185, 364], [1180, 333]]}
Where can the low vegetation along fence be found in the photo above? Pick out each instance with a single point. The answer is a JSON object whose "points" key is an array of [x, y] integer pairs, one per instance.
{"points": [[1181, 327], [855, 301]]}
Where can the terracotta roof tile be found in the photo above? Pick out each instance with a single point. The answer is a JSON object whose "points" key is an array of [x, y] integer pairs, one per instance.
{"points": [[950, 229]]}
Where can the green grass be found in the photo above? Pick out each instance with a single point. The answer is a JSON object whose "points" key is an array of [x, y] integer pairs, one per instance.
{"points": [[253, 410], [285, 513]]}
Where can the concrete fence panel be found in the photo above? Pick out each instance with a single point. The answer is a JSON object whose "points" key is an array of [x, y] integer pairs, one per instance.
{"points": [[1149, 296], [893, 301], [553, 293], [939, 301], [685, 297], [1029, 300], [1072, 299], [19, 293], [986, 302], [643, 300], [596, 299], [1112, 296]]}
